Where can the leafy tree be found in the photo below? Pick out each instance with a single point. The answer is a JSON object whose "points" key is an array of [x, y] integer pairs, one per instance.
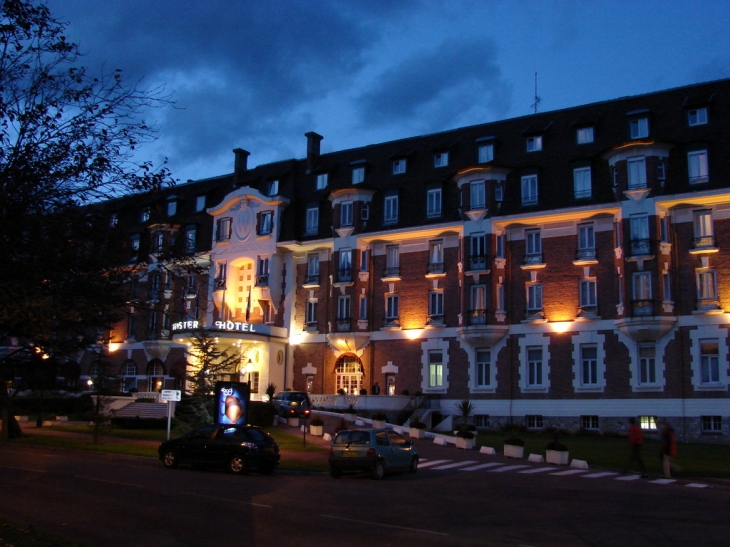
{"points": [[68, 140]]}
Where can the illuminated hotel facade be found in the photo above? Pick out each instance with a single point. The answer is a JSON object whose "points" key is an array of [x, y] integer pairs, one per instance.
{"points": [[567, 269]]}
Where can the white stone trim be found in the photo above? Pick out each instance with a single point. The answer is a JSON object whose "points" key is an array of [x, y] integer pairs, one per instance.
{"points": [[594, 338], [712, 332], [427, 346], [531, 340]]}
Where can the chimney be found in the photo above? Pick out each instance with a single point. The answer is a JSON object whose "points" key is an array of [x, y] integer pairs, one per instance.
{"points": [[313, 140], [240, 164]]}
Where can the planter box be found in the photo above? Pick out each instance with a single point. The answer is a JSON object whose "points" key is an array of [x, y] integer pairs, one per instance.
{"points": [[416, 433], [379, 424], [350, 417], [557, 457], [293, 422], [466, 444], [316, 430], [512, 451]]}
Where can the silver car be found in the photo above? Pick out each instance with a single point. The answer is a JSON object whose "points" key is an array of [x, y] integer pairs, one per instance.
{"points": [[377, 451]]}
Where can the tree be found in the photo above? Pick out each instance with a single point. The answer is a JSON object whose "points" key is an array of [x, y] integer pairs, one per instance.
{"points": [[67, 141], [208, 363]]}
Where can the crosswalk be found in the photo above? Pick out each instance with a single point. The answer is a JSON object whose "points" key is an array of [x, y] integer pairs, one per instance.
{"points": [[496, 467]]}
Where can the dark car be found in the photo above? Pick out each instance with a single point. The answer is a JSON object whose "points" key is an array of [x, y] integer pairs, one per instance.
{"points": [[377, 451], [237, 448], [291, 403]]}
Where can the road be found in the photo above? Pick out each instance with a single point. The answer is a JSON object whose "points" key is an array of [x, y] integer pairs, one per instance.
{"points": [[456, 498]]}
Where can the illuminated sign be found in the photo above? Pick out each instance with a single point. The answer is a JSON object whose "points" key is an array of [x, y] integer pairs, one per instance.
{"points": [[232, 402], [234, 326]]}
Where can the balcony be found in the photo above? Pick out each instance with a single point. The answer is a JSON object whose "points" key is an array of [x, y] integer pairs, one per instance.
{"points": [[478, 262], [392, 273], [435, 269], [642, 308], [704, 245], [477, 317], [641, 248], [344, 275], [311, 280], [585, 256], [344, 324], [219, 285], [532, 261], [708, 304], [262, 280]]}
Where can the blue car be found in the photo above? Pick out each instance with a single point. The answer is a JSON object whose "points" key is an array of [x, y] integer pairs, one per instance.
{"points": [[376, 451]]}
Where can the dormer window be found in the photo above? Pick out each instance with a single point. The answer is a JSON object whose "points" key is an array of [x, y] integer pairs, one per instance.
{"points": [[698, 116], [266, 221], [399, 167], [584, 135], [441, 159], [534, 144], [171, 207], [345, 214], [223, 232], [145, 215], [322, 181], [639, 128], [272, 188], [199, 203], [486, 153], [358, 175], [477, 198]]}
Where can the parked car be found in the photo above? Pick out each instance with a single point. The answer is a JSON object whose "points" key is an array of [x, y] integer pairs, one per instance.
{"points": [[291, 403], [238, 448], [377, 451]]}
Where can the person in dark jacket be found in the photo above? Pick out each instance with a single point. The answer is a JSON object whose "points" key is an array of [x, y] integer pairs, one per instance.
{"points": [[669, 450], [636, 440]]}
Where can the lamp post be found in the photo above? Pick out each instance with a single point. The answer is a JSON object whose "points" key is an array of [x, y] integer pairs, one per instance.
{"points": [[249, 369]]}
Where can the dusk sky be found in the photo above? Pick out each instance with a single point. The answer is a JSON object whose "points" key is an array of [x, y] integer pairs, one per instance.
{"points": [[259, 74]]}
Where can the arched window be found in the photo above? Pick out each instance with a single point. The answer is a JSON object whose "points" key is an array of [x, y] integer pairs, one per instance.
{"points": [[349, 374], [129, 368], [155, 368]]}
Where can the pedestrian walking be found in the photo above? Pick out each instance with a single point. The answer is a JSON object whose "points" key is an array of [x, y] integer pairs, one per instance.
{"points": [[376, 389], [669, 450], [636, 440]]}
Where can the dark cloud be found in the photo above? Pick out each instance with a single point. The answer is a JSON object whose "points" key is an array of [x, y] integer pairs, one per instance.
{"points": [[438, 86]]}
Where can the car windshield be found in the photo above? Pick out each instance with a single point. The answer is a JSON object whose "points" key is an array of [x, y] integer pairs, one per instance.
{"points": [[352, 437], [298, 397]]}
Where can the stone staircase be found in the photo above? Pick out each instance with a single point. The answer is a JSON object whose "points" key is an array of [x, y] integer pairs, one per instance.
{"points": [[142, 410]]}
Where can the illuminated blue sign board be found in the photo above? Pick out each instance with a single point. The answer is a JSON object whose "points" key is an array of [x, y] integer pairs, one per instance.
{"points": [[232, 402]]}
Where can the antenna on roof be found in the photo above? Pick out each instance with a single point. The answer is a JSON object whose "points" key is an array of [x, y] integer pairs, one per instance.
{"points": [[537, 99]]}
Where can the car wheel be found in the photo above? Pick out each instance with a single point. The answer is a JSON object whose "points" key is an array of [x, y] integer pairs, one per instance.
{"points": [[378, 471], [335, 472], [169, 459], [237, 464], [414, 465]]}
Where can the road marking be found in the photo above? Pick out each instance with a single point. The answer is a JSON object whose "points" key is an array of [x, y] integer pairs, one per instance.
{"points": [[663, 481], [371, 523], [538, 470], [108, 482], [480, 466], [457, 464], [599, 475], [507, 468], [433, 462], [696, 485], [228, 499], [570, 472], [628, 478]]}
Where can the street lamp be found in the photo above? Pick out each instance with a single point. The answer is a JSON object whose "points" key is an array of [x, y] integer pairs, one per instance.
{"points": [[249, 368], [9, 387]]}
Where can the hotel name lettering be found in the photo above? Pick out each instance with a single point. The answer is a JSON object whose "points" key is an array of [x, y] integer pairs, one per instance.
{"points": [[220, 325]]}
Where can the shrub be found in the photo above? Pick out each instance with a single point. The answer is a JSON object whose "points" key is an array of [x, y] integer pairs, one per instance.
{"points": [[514, 441], [363, 391], [464, 432], [555, 445], [317, 421], [417, 423], [380, 416]]}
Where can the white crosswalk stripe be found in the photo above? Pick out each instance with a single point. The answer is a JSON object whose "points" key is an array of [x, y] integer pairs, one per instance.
{"points": [[507, 468], [537, 470], [599, 475], [431, 463], [696, 485], [662, 481], [457, 464], [480, 466], [628, 478], [570, 472]]}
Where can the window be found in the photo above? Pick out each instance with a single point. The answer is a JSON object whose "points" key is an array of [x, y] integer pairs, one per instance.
{"points": [[391, 308], [589, 422], [343, 312], [640, 242], [477, 195], [221, 273], [364, 262], [667, 286], [312, 226], [664, 229], [154, 284], [399, 167], [587, 289], [345, 273], [534, 422], [534, 144], [582, 182], [113, 219], [363, 311], [586, 242], [312, 313], [365, 211], [637, 173], [478, 252], [349, 375], [313, 269], [478, 311], [481, 420], [272, 188], [266, 223], [711, 424], [584, 135], [145, 215], [322, 181], [435, 369], [500, 239], [647, 423], [647, 364], [159, 242], [709, 362], [441, 159], [697, 166], [533, 245], [262, 271], [697, 116], [534, 297], [433, 203], [639, 128], [345, 214], [500, 298], [529, 190], [642, 294], [436, 257], [486, 153], [358, 175], [707, 289], [199, 203], [498, 193], [390, 213], [435, 305], [171, 207], [191, 236], [703, 229], [392, 260], [483, 362], [588, 365]]}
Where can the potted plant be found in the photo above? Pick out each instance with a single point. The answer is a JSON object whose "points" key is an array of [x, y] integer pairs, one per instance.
{"points": [[350, 414], [464, 409], [316, 426], [465, 438], [293, 419], [379, 419], [416, 428], [556, 453], [514, 447]]}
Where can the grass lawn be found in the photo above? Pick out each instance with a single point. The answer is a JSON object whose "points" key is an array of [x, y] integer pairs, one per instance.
{"points": [[696, 460]]}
